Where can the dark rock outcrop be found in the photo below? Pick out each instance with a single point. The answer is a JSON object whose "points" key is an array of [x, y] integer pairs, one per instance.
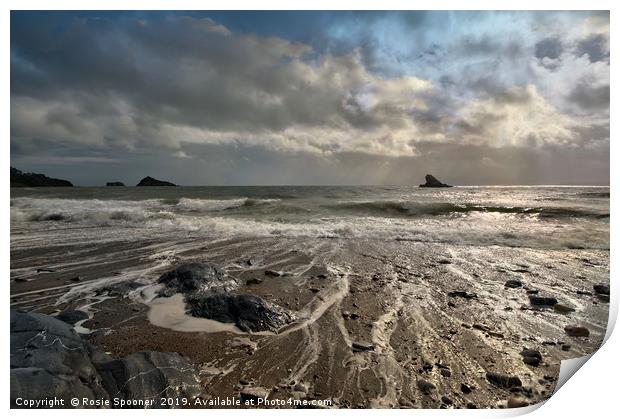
{"points": [[601, 289], [115, 184], [49, 359], [433, 182], [531, 357], [20, 179], [248, 312], [149, 181], [197, 279], [209, 293]]}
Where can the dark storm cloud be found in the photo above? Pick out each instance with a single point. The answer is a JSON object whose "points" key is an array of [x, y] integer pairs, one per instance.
{"points": [[549, 48], [163, 89], [589, 97]]}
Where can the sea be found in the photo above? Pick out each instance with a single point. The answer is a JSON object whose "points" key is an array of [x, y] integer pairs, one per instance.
{"points": [[550, 217]]}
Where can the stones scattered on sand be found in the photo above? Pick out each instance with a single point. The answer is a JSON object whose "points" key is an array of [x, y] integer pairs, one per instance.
{"points": [[426, 387], [462, 294], [577, 331], [49, 359], [535, 300], [253, 394], [531, 357], [515, 402], [192, 278], [562, 308], [362, 346], [248, 312], [270, 272], [72, 316], [503, 381], [513, 283], [601, 289], [254, 281]]}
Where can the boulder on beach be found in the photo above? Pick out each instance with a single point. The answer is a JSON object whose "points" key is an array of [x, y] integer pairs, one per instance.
{"points": [[433, 182], [149, 181], [577, 331], [21, 179], [248, 312], [49, 359], [535, 300], [503, 381], [196, 278], [115, 184]]}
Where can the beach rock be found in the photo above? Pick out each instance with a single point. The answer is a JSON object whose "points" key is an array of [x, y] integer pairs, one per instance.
{"points": [[563, 309], [254, 281], [196, 279], [503, 381], [114, 184], [446, 400], [243, 343], [462, 294], [566, 347], [361, 346], [426, 387], [531, 357], [513, 283], [143, 375], [432, 182], [535, 300], [32, 180], [577, 331], [72, 316], [601, 289], [49, 359], [514, 402], [253, 394], [465, 389], [270, 272], [248, 312], [149, 181]]}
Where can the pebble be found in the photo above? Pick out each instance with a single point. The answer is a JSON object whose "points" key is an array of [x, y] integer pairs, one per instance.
{"points": [[425, 387], [513, 283], [577, 331]]}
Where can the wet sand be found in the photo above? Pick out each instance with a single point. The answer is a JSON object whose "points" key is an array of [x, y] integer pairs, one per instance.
{"points": [[435, 318]]}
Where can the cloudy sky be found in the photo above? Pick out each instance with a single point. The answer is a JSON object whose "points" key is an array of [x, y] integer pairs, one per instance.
{"points": [[217, 98]]}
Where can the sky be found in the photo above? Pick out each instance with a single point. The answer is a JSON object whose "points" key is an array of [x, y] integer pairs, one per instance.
{"points": [[260, 98]]}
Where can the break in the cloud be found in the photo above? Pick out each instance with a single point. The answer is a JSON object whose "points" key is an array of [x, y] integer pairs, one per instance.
{"points": [[335, 89]]}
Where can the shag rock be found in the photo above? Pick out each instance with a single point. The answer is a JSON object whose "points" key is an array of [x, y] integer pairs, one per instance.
{"points": [[432, 182], [503, 381], [535, 300], [49, 359], [248, 312], [115, 184], [601, 289], [577, 331], [197, 279], [149, 181], [21, 179], [72, 316]]}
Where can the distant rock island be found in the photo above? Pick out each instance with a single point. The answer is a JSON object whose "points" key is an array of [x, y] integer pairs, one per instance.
{"points": [[115, 184], [149, 181], [20, 179], [433, 182]]}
